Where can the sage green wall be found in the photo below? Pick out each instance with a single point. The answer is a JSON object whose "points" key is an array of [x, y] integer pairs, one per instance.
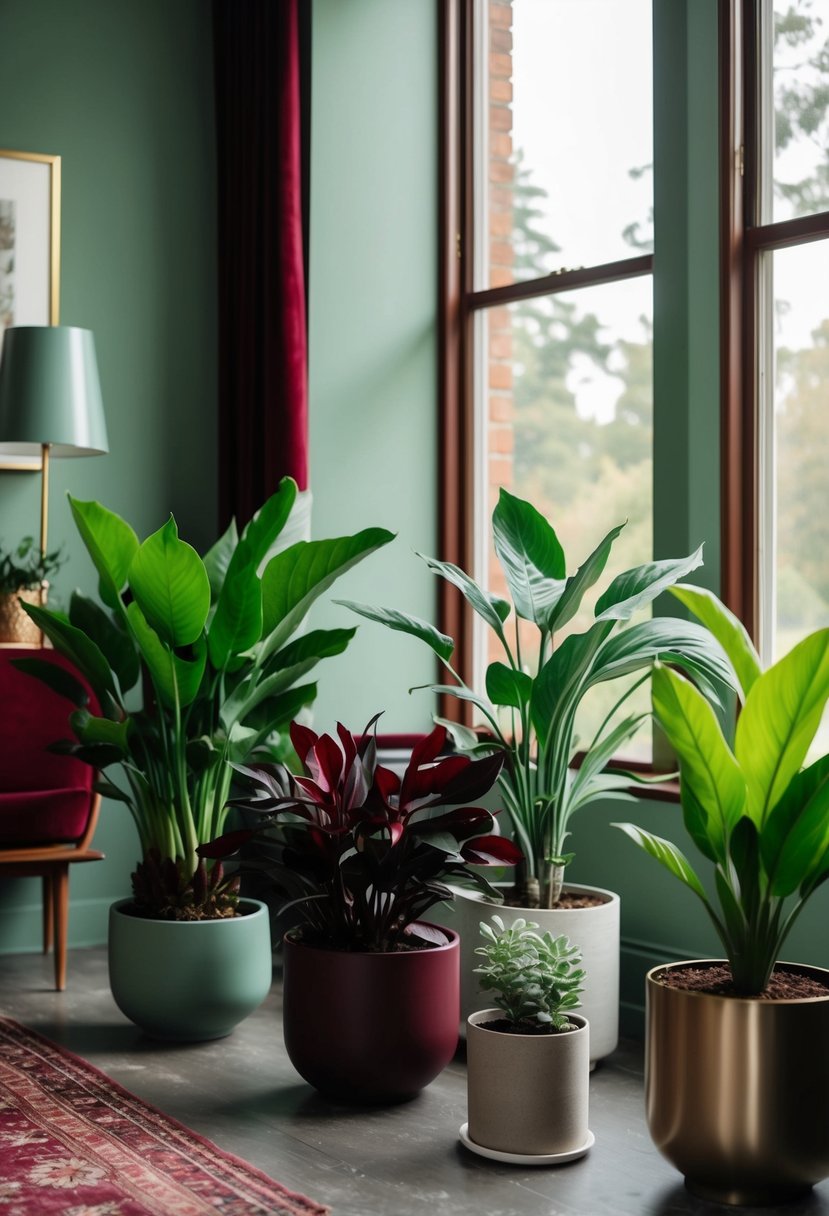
{"points": [[372, 340], [123, 92]]}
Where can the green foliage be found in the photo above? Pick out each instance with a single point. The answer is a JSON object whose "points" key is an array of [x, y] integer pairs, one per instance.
{"points": [[222, 677], [25, 568], [751, 808], [535, 978], [539, 738]]}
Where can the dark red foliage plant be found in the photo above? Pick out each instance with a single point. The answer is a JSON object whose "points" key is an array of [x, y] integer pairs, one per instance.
{"points": [[365, 852]]}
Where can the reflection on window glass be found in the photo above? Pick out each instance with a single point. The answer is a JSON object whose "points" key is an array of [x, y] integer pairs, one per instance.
{"points": [[565, 156], [567, 386], [800, 85]]}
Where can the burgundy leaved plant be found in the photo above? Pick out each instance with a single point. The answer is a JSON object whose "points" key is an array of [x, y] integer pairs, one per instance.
{"points": [[366, 852]]}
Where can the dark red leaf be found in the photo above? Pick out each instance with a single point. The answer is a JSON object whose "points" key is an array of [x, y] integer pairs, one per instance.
{"points": [[491, 850], [227, 845], [303, 739]]}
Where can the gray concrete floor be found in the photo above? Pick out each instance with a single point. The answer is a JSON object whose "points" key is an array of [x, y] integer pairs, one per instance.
{"points": [[243, 1094]]}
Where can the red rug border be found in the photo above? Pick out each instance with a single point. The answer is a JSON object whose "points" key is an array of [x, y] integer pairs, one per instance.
{"points": [[314, 1208]]}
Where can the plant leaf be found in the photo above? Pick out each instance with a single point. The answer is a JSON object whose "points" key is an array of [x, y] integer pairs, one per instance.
{"points": [[729, 631], [708, 769], [316, 644], [55, 677], [217, 559], [491, 608], [667, 854], [116, 645], [505, 686], [91, 729], [560, 682], [168, 670], [581, 582], [237, 622], [79, 649], [266, 525], [442, 645], [635, 588], [299, 575], [668, 639], [170, 584], [796, 833], [531, 556], [779, 720], [110, 542]]}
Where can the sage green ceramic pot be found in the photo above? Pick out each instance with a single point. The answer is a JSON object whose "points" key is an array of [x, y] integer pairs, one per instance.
{"points": [[189, 980]]}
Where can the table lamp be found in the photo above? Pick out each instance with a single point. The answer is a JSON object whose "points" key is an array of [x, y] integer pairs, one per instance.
{"points": [[50, 399]]}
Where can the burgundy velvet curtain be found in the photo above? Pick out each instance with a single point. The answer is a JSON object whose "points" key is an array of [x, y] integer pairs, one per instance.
{"points": [[261, 56]]}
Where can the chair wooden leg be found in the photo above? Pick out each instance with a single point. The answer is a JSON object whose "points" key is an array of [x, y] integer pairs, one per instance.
{"points": [[60, 895], [48, 912]]}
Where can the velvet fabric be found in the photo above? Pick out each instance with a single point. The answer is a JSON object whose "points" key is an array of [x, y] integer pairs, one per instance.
{"points": [[263, 406], [44, 797]]}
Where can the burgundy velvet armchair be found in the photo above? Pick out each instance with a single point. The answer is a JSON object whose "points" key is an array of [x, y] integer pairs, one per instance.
{"points": [[48, 810]]}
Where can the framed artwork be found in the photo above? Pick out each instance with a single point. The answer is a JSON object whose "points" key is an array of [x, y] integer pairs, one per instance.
{"points": [[29, 249]]}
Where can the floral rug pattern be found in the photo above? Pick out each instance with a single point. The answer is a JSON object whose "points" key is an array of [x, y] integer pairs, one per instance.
{"points": [[74, 1143]]}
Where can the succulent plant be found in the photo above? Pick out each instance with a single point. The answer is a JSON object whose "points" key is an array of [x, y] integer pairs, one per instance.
{"points": [[536, 978]]}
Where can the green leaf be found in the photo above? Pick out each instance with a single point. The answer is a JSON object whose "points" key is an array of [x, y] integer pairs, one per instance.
{"points": [[169, 670], [252, 691], [217, 559], [107, 790], [581, 582], [531, 556], [237, 622], [796, 833], [726, 628], [635, 588], [491, 608], [463, 737], [708, 769], [668, 639], [55, 677], [561, 682], [315, 645], [91, 729], [603, 751], [116, 646], [667, 854], [505, 686], [170, 584], [269, 520], [442, 645], [80, 650], [110, 542], [779, 720], [299, 575], [201, 754], [277, 712]]}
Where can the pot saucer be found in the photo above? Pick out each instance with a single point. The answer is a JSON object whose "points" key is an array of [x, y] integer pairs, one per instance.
{"points": [[495, 1154]]}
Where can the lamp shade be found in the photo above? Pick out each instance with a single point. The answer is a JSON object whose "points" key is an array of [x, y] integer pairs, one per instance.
{"points": [[50, 392]]}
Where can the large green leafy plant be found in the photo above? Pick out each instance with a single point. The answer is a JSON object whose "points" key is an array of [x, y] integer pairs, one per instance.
{"points": [[748, 804], [538, 738], [223, 674]]}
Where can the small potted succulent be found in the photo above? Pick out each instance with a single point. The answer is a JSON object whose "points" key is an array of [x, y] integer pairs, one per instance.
{"points": [[370, 987], [528, 1060], [24, 575], [737, 1068], [530, 711], [195, 665]]}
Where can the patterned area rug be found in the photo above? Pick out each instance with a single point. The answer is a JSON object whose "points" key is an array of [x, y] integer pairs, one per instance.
{"points": [[73, 1143]]}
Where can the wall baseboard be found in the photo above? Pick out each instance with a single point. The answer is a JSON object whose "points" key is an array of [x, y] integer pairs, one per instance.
{"points": [[21, 928]]}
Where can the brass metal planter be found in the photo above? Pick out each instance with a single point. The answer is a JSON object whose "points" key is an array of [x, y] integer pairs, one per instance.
{"points": [[737, 1090], [15, 626]]}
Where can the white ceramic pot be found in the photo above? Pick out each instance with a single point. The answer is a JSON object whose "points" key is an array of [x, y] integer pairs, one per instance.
{"points": [[595, 930], [528, 1094]]}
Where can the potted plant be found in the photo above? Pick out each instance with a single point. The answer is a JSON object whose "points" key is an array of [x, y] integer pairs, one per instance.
{"points": [[737, 1071], [24, 575], [195, 665], [531, 720], [370, 988], [528, 1061]]}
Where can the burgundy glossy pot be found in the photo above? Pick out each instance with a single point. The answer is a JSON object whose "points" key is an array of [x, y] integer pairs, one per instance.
{"points": [[365, 1027]]}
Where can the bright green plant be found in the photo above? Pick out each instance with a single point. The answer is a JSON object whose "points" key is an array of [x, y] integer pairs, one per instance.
{"points": [[747, 802], [536, 978], [25, 568], [223, 672], [538, 737]]}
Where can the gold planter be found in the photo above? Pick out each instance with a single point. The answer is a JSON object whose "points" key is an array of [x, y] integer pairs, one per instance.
{"points": [[15, 626], [737, 1090]]}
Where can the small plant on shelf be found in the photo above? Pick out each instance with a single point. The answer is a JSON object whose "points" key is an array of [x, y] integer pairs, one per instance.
{"points": [[536, 978], [25, 568]]}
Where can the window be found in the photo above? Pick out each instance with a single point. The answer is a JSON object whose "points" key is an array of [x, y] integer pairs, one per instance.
{"points": [[776, 174], [547, 278]]}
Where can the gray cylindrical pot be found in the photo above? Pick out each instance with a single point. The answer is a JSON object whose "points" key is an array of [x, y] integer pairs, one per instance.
{"points": [[189, 980], [594, 930], [528, 1093]]}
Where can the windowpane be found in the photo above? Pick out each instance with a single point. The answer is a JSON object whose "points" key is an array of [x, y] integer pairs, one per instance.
{"points": [[565, 403], [799, 131], [797, 559], [564, 155]]}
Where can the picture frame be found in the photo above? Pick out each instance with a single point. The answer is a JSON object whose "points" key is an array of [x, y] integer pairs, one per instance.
{"points": [[30, 184]]}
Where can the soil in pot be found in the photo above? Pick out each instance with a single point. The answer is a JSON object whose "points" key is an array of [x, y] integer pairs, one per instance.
{"points": [[716, 980], [505, 1026]]}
